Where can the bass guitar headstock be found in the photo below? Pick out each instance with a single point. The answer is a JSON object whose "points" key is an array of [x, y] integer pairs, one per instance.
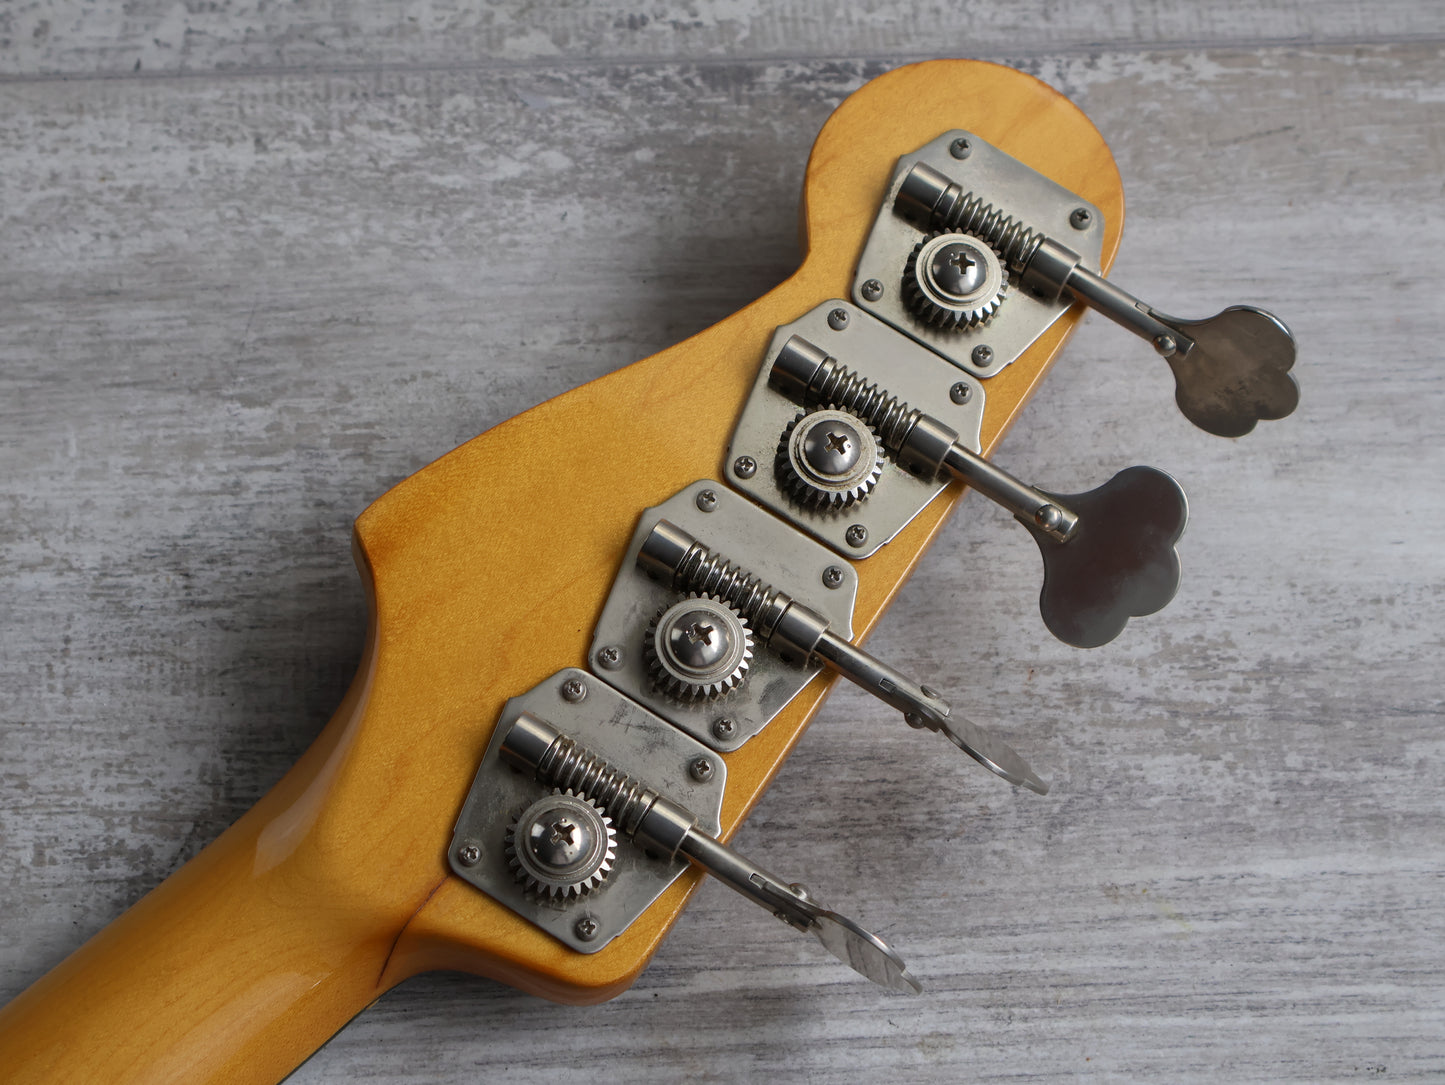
{"points": [[625, 604]]}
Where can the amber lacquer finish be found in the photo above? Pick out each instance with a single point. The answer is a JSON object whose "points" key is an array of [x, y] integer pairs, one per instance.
{"points": [[486, 572]]}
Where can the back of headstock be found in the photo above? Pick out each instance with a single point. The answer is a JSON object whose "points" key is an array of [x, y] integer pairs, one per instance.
{"points": [[491, 566], [489, 574]]}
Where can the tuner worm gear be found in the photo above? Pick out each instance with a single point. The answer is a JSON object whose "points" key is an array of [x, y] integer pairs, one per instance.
{"points": [[698, 648], [828, 459], [561, 846], [954, 280]]}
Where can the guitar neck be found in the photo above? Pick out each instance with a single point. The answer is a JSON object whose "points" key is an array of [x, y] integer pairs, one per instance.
{"points": [[235, 968]]}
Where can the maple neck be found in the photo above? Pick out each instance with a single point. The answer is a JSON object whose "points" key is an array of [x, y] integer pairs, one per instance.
{"points": [[235, 968]]}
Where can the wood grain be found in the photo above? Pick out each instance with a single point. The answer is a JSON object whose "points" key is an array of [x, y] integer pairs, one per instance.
{"points": [[237, 307]]}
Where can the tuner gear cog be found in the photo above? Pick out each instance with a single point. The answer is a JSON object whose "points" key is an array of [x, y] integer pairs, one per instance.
{"points": [[954, 280], [698, 648], [828, 459], [561, 846]]}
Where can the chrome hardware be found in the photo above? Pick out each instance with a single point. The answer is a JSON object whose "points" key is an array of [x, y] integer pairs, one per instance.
{"points": [[1098, 574], [893, 256], [698, 648], [827, 459], [543, 881], [750, 692], [880, 506], [668, 830], [561, 846], [954, 281], [931, 199], [800, 635], [1230, 370]]}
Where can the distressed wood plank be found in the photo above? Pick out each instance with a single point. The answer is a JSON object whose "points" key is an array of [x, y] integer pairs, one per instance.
{"points": [[236, 309], [74, 37]]}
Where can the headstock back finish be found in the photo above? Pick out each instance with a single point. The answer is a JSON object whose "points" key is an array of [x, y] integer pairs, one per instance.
{"points": [[467, 612]]}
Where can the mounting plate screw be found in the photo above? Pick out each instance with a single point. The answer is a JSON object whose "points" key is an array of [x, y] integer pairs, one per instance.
{"points": [[469, 855], [833, 576], [706, 500], [872, 290], [700, 769], [723, 727], [586, 928], [960, 393], [982, 354], [610, 658], [838, 319], [745, 467], [1081, 218], [960, 148], [574, 690], [856, 535]]}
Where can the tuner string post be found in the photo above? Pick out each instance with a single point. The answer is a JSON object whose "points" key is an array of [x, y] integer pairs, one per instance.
{"points": [[1231, 370], [658, 824], [800, 635]]}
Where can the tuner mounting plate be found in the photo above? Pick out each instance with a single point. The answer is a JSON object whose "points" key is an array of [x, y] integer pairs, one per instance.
{"points": [[1014, 190], [906, 370], [765, 547], [630, 737]]}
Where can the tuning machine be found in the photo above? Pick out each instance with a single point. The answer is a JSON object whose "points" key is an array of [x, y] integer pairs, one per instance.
{"points": [[693, 656], [961, 215], [853, 498], [586, 853], [667, 831], [680, 607], [544, 854], [1109, 554], [953, 290]]}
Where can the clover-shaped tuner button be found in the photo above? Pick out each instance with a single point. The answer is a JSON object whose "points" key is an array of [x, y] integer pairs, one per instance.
{"points": [[1237, 371], [1118, 562]]}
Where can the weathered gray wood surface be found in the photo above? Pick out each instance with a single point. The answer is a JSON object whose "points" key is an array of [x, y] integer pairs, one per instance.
{"points": [[260, 263]]}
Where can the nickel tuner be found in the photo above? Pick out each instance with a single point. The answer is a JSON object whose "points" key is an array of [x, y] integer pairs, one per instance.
{"points": [[670, 831], [1109, 554], [1231, 370], [801, 635]]}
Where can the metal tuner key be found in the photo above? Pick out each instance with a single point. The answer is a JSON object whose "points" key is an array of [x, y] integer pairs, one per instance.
{"points": [[799, 634], [661, 826], [1231, 370], [1109, 554]]}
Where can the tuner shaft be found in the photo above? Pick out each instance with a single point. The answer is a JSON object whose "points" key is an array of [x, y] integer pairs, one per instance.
{"points": [[1054, 268], [1043, 265], [799, 634], [658, 824]]}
